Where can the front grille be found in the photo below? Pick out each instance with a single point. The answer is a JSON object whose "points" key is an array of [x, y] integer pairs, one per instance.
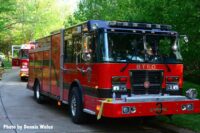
{"points": [[138, 77]]}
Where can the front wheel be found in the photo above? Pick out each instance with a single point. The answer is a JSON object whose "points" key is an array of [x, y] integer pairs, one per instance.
{"points": [[76, 106], [22, 78], [37, 94]]}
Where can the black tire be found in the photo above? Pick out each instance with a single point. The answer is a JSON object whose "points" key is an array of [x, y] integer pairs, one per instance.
{"points": [[22, 78], [76, 106], [37, 94]]}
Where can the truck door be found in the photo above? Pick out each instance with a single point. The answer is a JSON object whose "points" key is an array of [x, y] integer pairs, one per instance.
{"points": [[15, 55], [87, 57]]}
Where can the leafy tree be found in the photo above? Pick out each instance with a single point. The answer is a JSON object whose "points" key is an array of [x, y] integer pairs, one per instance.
{"points": [[24, 20], [6, 8]]}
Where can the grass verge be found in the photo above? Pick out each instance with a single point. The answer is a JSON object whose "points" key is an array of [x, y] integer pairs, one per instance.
{"points": [[189, 121]]}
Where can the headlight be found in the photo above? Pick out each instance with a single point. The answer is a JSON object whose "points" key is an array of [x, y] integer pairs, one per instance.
{"points": [[128, 110], [183, 107], [119, 83], [191, 93], [119, 88], [125, 110], [133, 109], [116, 88], [188, 107], [24, 64], [172, 87]]}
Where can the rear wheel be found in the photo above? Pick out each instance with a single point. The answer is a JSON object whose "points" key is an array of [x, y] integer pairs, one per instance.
{"points": [[37, 94], [76, 106], [22, 78]]}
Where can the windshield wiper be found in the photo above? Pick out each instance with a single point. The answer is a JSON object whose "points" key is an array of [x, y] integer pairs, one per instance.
{"points": [[166, 65], [124, 68]]}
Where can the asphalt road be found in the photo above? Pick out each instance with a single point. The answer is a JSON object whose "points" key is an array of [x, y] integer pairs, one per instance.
{"points": [[19, 112]]}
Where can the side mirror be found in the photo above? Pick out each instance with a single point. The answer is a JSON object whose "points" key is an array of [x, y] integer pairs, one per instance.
{"points": [[185, 38], [86, 51], [86, 56]]}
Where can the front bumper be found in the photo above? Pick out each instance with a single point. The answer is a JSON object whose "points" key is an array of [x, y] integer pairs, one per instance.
{"points": [[23, 73], [150, 106]]}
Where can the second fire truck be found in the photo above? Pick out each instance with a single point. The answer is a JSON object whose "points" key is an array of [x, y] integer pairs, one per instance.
{"points": [[22, 58], [112, 69]]}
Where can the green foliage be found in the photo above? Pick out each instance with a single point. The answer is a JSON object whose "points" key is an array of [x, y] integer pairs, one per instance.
{"points": [[165, 46], [192, 75], [36, 19], [7, 64], [6, 8], [22, 21]]}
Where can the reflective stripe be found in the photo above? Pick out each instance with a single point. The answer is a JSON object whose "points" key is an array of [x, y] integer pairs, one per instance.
{"points": [[108, 100]]}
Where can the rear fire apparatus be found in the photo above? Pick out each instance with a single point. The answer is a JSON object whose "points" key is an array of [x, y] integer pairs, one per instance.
{"points": [[22, 59], [112, 69]]}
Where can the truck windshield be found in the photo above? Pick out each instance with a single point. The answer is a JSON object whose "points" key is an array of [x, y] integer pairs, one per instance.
{"points": [[131, 47], [24, 54]]}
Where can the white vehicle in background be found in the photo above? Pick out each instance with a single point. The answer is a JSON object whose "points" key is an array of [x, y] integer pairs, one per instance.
{"points": [[2, 56]]}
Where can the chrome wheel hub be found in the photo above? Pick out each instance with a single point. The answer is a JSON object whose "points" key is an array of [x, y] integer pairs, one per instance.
{"points": [[73, 105], [37, 92]]}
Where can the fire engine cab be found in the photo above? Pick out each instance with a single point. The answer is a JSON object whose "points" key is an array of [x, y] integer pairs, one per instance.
{"points": [[112, 69]]}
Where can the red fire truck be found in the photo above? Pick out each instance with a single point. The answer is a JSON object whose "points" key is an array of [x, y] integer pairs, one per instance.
{"points": [[112, 69], [22, 59]]}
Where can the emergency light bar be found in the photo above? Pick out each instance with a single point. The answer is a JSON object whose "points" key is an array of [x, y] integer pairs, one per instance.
{"points": [[139, 25], [25, 46], [28, 46]]}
